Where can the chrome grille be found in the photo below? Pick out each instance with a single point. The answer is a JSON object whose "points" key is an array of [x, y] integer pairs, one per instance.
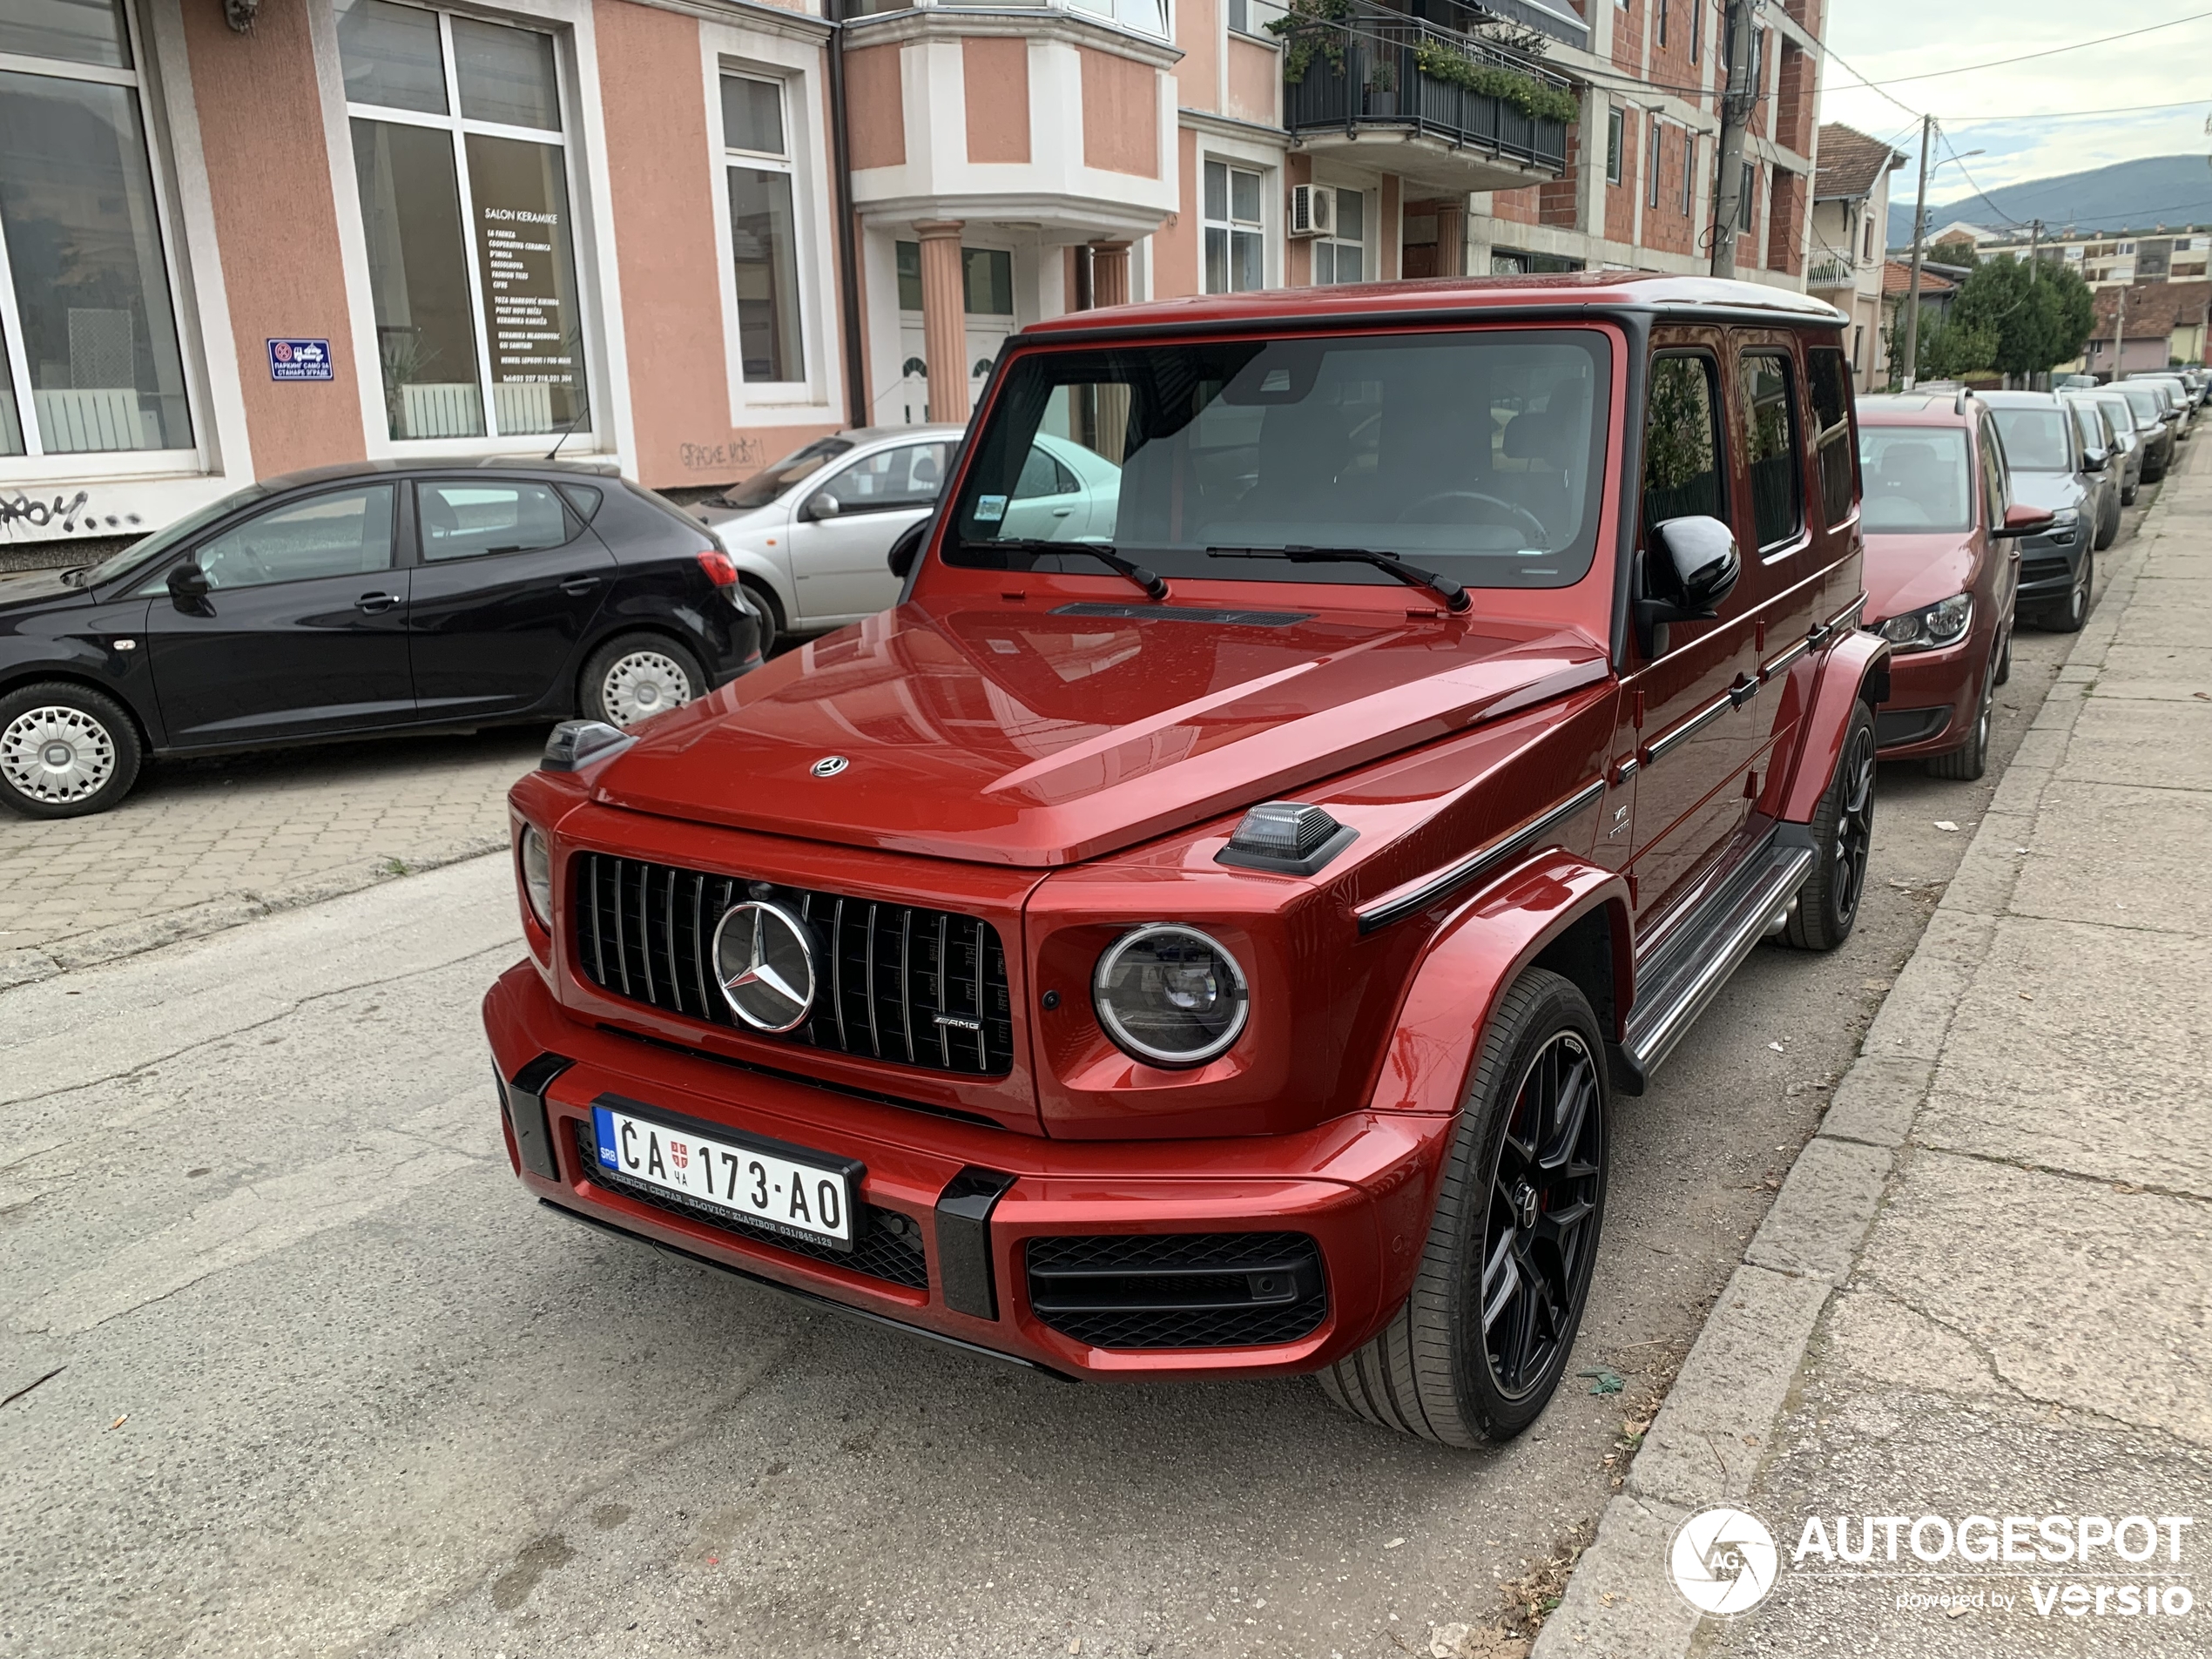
{"points": [[918, 987]]}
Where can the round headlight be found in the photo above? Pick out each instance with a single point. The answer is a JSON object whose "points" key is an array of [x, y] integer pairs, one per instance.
{"points": [[537, 875], [1169, 995]]}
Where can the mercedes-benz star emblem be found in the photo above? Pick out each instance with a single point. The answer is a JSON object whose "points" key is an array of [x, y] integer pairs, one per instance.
{"points": [[764, 960], [829, 765]]}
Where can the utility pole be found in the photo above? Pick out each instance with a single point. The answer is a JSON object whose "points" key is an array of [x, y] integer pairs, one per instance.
{"points": [[1913, 286], [1735, 115], [2120, 340], [2034, 236]]}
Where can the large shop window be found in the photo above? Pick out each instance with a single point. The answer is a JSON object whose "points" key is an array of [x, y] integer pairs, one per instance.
{"points": [[91, 361], [763, 241], [459, 152]]}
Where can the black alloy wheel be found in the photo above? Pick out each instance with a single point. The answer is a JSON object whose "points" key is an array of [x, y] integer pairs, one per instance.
{"points": [[1479, 1344], [1544, 1191], [1842, 837]]}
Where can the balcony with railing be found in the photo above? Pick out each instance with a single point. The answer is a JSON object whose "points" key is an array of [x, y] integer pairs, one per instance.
{"points": [[1444, 108], [1830, 273]]}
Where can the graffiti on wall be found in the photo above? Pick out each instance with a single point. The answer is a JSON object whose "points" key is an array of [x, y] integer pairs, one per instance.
{"points": [[25, 517], [738, 455]]}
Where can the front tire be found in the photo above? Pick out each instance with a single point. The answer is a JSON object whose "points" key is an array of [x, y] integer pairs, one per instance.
{"points": [[1479, 1346], [1969, 760], [66, 751], [637, 676], [771, 614], [2071, 613], [1842, 837]]}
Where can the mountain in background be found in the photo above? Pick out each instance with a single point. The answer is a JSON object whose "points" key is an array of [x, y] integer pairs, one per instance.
{"points": [[2128, 195]]}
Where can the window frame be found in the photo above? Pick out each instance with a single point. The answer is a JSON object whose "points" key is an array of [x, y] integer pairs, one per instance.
{"points": [[1716, 412], [1651, 162], [849, 463], [591, 382], [153, 582], [728, 156], [1369, 231], [1848, 427], [1616, 139], [1231, 226], [36, 462]]}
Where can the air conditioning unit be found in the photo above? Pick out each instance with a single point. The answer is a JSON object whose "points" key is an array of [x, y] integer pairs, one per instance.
{"points": [[1313, 210]]}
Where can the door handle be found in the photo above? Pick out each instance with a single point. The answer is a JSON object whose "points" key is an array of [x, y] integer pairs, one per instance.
{"points": [[373, 603], [1062, 512], [579, 584]]}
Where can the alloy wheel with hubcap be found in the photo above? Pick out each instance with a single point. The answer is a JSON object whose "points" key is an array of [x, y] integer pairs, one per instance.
{"points": [[637, 676], [65, 750]]}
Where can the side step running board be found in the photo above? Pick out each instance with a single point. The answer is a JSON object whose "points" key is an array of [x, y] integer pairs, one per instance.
{"points": [[1691, 970]]}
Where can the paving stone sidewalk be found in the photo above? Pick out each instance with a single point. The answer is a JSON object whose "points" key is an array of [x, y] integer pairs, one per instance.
{"points": [[1985, 1288], [205, 844]]}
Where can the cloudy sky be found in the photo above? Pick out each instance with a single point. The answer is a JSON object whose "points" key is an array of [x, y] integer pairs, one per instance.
{"points": [[2011, 111]]}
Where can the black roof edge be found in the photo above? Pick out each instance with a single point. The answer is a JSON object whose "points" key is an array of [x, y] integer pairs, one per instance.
{"points": [[1753, 316]]}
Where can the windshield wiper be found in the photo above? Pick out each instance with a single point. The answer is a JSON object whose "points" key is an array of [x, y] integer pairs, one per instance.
{"points": [[1155, 589], [1454, 596]]}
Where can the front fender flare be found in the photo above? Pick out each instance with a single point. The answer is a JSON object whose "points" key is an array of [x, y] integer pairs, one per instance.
{"points": [[1856, 664], [1474, 957]]}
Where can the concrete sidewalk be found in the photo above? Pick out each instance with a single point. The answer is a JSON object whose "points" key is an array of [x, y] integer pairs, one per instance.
{"points": [[1985, 1288]]}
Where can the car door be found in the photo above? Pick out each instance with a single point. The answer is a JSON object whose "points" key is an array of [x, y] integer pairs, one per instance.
{"points": [[1047, 503], [1691, 746], [302, 630], [507, 581], [843, 530]]}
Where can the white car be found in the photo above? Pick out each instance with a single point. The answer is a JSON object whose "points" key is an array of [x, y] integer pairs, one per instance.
{"points": [[811, 535]]}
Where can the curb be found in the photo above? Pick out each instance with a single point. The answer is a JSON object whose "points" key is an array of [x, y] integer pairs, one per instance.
{"points": [[1714, 1433], [216, 915]]}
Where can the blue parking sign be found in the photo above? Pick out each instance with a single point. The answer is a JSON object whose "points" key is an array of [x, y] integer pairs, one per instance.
{"points": [[299, 359]]}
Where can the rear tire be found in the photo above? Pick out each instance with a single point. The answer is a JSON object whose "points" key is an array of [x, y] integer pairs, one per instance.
{"points": [[1843, 836], [66, 751], [635, 676], [1478, 1348]]}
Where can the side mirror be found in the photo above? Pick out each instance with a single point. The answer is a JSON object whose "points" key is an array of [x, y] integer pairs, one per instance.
{"points": [[907, 548], [2022, 520], [2095, 460], [1691, 567], [189, 588], [824, 505]]}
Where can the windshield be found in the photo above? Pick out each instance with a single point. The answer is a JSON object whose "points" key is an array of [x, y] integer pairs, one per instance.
{"points": [[2145, 402], [1477, 455], [2034, 440], [765, 485], [2119, 412], [161, 540], [1916, 479]]}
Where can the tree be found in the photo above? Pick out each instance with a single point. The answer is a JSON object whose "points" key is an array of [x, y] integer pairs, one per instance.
{"points": [[2034, 318]]}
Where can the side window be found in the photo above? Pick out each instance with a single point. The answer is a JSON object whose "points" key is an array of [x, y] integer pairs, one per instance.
{"points": [[348, 532], [1043, 476], [1683, 473], [463, 520], [1832, 400], [907, 476], [1770, 420]]}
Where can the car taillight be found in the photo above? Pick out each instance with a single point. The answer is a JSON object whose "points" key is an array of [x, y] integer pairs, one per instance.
{"points": [[721, 570]]}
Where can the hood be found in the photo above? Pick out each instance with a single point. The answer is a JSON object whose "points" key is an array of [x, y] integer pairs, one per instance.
{"points": [[2050, 489], [21, 590], [1904, 572], [737, 521], [1011, 734]]}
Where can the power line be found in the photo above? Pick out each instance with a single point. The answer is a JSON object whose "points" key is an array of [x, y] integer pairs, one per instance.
{"points": [[2059, 115], [1996, 63]]}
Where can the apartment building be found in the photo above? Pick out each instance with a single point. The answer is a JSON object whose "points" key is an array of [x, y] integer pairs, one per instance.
{"points": [[242, 237], [1846, 260]]}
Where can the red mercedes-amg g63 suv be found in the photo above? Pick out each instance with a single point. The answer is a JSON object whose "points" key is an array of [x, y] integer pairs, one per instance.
{"points": [[1212, 947]]}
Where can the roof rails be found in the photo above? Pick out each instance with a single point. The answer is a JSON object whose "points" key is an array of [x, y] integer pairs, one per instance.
{"points": [[1964, 392]]}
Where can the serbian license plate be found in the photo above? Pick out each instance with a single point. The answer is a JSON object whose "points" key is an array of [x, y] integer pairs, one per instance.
{"points": [[782, 1189]]}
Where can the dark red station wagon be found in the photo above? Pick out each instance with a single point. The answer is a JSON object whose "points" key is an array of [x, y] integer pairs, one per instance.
{"points": [[1213, 948]]}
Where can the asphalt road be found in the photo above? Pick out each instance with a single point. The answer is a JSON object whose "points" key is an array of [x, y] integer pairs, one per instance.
{"points": [[333, 1384]]}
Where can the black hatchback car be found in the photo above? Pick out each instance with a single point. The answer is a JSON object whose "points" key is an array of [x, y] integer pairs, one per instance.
{"points": [[360, 599]]}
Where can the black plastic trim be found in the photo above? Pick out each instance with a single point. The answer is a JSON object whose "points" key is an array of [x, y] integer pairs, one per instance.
{"points": [[1238, 859], [605, 1226], [1219, 615], [524, 1097], [964, 1240]]}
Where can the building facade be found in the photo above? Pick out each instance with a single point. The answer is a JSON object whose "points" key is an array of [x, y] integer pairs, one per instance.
{"points": [[242, 237], [1846, 261]]}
